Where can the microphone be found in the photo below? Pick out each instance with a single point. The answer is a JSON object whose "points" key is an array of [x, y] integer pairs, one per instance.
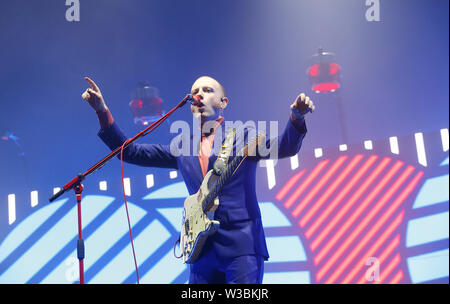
{"points": [[195, 100]]}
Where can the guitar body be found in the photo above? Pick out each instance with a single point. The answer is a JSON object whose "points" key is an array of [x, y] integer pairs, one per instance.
{"points": [[198, 221], [198, 214]]}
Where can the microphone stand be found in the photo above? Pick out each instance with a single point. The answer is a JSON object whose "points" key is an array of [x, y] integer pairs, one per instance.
{"points": [[78, 187]]}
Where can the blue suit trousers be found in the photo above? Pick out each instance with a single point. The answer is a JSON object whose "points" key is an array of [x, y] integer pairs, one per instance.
{"points": [[244, 269]]}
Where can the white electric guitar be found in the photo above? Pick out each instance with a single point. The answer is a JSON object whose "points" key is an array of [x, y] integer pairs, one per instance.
{"points": [[198, 214]]}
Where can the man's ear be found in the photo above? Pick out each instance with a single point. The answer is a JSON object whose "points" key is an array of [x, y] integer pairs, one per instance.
{"points": [[224, 102]]}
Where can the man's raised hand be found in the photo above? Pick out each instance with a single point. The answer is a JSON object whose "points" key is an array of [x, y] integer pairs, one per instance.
{"points": [[94, 97], [302, 105]]}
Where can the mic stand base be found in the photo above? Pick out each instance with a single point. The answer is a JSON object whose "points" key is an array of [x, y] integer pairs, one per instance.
{"points": [[78, 188]]}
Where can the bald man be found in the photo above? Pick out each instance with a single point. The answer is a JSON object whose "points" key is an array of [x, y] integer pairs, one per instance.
{"points": [[237, 251]]}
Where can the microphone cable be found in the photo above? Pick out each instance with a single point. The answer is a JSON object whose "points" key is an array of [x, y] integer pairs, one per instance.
{"points": [[142, 133]]}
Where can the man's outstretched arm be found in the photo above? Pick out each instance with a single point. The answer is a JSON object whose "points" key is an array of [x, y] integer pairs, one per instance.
{"points": [[289, 142], [151, 155]]}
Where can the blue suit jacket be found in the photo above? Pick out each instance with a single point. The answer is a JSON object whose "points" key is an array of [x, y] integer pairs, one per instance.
{"points": [[241, 230]]}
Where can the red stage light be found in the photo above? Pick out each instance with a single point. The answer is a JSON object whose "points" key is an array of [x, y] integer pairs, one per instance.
{"points": [[324, 73], [326, 87], [145, 104]]}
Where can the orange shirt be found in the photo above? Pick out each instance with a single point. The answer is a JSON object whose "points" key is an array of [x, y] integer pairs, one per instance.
{"points": [[206, 145]]}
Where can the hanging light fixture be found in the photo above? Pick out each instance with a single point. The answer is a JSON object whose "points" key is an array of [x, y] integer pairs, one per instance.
{"points": [[146, 105], [324, 73]]}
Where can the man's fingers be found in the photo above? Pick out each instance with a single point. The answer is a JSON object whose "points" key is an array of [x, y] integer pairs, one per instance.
{"points": [[89, 93], [303, 103], [311, 106], [92, 84], [298, 100], [92, 92], [301, 97], [85, 95]]}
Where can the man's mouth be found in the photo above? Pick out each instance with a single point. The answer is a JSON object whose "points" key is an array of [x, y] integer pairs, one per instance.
{"points": [[200, 106]]}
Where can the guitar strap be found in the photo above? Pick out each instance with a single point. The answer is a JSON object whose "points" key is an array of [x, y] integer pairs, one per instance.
{"points": [[225, 151]]}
